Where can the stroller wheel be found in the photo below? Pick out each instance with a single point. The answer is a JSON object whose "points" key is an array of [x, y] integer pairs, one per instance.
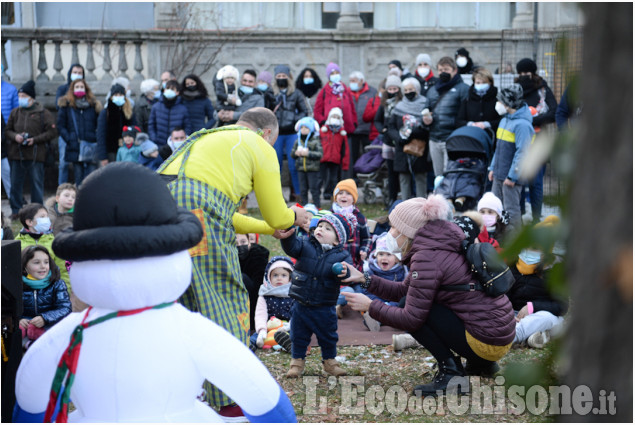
{"points": [[369, 196]]}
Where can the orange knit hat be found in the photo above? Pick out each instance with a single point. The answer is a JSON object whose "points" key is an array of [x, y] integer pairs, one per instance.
{"points": [[348, 185]]}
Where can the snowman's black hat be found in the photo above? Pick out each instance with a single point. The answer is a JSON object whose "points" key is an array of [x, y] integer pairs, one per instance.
{"points": [[125, 211]]}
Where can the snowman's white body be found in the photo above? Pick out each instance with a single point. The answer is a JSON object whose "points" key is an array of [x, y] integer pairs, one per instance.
{"points": [[147, 367]]}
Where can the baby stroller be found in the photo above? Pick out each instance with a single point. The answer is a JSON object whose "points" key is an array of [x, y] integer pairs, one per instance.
{"points": [[372, 172], [470, 151]]}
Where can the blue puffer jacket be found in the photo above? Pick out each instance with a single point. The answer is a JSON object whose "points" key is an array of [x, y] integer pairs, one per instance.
{"points": [[9, 100], [163, 119], [445, 107], [312, 282], [52, 302], [86, 129], [514, 135], [198, 110]]}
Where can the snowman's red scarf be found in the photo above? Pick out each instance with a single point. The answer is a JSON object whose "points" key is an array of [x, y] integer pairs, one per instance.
{"points": [[67, 366]]}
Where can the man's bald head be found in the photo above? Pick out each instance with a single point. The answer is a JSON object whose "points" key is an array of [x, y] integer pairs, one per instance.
{"points": [[261, 119]]}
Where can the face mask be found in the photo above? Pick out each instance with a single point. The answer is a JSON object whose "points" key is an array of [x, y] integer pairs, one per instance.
{"points": [[461, 61], [262, 87], [190, 88], [411, 95], [169, 94], [283, 83], [335, 78], [243, 252], [525, 82], [529, 256], [354, 86], [177, 144], [157, 94], [390, 95], [445, 77], [76, 77], [246, 89], [489, 220], [118, 100], [23, 102], [423, 71], [79, 93], [392, 245], [163, 84], [308, 81], [500, 108], [481, 87], [336, 122], [43, 224]]}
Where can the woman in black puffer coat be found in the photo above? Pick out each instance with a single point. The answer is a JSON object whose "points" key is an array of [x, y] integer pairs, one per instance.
{"points": [[45, 297], [479, 107]]}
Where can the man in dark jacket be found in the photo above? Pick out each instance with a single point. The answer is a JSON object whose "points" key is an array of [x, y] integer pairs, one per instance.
{"points": [[29, 129], [168, 113], [362, 93], [445, 100], [249, 96]]}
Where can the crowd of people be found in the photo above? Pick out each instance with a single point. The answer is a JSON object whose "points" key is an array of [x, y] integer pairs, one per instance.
{"points": [[213, 155]]}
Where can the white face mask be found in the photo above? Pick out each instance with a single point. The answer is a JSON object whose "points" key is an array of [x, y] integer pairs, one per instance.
{"points": [[500, 108], [423, 71], [461, 61], [392, 245], [335, 122]]}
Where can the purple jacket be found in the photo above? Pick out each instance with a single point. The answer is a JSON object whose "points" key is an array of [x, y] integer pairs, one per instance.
{"points": [[436, 259]]}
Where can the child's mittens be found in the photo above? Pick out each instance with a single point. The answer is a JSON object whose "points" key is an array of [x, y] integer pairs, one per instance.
{"points": [[260, 341]]}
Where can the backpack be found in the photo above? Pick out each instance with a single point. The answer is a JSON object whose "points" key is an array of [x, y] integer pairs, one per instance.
{"points": [[492, 275]]}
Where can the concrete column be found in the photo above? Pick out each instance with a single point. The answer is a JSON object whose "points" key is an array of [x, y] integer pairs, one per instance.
{"points": [[349, 19], [524, 18]]}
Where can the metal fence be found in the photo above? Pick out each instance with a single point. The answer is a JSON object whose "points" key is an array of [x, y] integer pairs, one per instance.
{"points": [[558, 55]]}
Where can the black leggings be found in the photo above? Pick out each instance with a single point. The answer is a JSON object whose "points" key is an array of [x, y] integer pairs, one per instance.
{"points": [[443, 333]]}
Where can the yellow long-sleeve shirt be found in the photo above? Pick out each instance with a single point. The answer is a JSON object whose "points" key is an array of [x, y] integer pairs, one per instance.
{"points": [[235, 162]]}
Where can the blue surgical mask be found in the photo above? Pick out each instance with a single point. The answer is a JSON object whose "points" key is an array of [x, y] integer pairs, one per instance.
{"points": [[169, 94], [308, 81], [335, 78], [119, 100], [177, 144], [530, 256], [481, 87], [76, 77], [23, 102], [163, 84], [263, 87], [246, 89], [354, 86], [157, 94], [42, 225]]}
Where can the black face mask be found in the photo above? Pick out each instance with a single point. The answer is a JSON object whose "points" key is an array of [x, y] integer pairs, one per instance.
{"points": [[283, 83], [525, 82], [190, 88], [243, 252], [411, 95], [445, 77], [391, 95]]}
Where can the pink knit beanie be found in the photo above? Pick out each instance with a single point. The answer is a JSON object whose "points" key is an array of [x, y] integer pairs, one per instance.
{"points": [[411, 215]]}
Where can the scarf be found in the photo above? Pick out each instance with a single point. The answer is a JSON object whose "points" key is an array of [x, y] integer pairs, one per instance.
{"points": [[281, 291], [191, 95], [308, 89], [390, 105], [337, 88], [443, 87], [34, 283], [411, 107], [345, 211], [282, 98], [82, 103], [65, 374], [524, 268]]}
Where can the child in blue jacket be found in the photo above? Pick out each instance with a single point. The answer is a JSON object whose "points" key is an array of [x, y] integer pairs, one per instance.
{"points": [[316, 287]]}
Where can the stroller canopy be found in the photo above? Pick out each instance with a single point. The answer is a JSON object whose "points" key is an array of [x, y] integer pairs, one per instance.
{"points": [[470, 141]]}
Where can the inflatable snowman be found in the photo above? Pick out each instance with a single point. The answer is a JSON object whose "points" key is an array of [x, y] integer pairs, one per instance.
{"points": [[137, 355]]}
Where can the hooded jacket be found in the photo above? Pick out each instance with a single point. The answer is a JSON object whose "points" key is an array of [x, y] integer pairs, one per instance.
{"points": [[9, 99], [513, 137], [436, 259], [312, 161], [52, 303], [313, 282], [335, 148], [39, 123], [164, 118], [445, 107], [269, 305]]}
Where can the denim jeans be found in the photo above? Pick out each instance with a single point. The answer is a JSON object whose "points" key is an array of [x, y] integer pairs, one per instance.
{"points": [[82, 170], [63, 168], [535, 195], [19, 171], [352, 289], [6, 176], [283, 146]]}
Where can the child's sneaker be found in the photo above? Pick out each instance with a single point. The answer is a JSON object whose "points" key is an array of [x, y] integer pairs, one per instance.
{"points": [[538, 339], [283, 339]]}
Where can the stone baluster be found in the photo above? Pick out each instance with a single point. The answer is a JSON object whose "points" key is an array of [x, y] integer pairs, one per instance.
{"points": [[75, 56], [41, 63], [107, 64], [90, 62], [57, 62], [4, 62], [138, 63], [123, 64]]}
